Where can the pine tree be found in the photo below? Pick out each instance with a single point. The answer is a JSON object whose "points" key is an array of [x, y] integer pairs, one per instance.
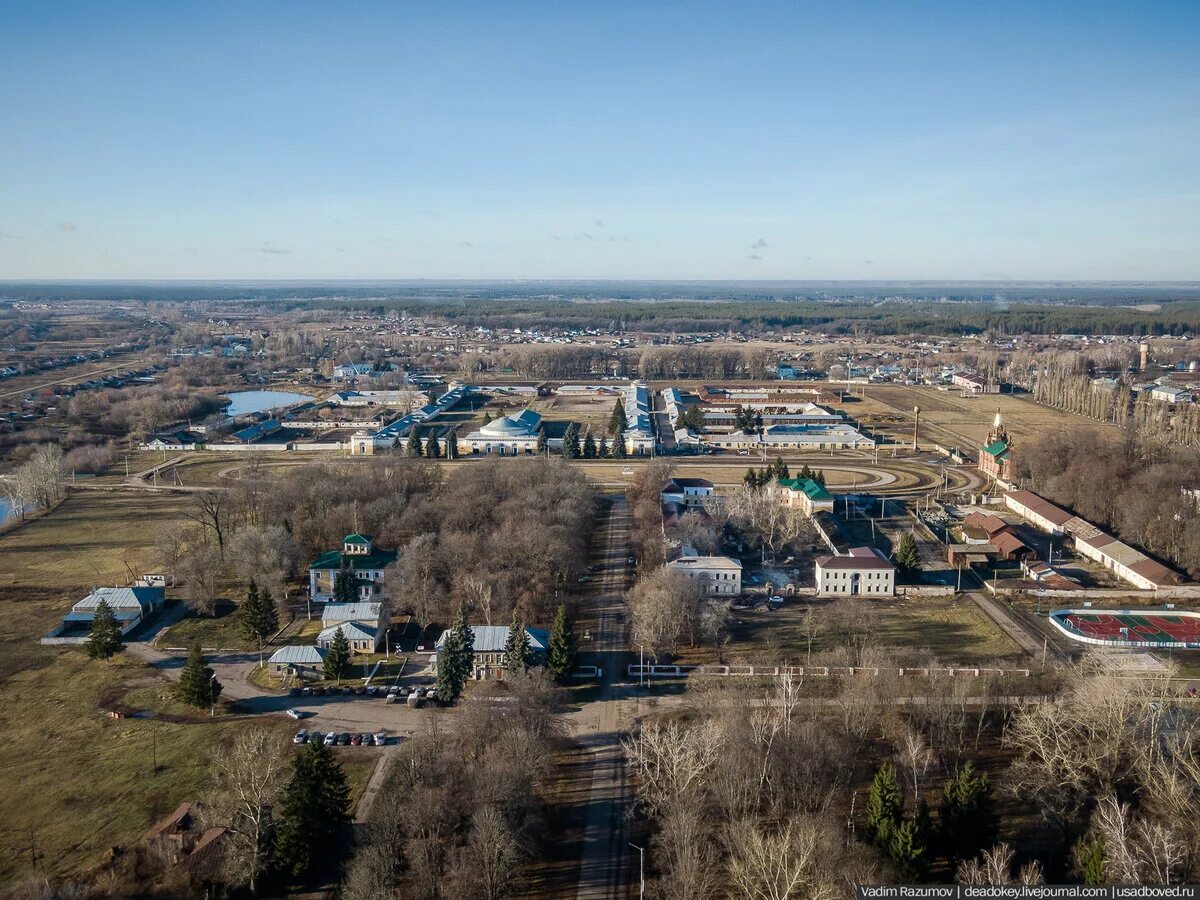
{"points": [[345, 590], [907, 849], [1089, 860], [452, 444], [819, 477], [602, 448], [413, 446], [541, 440], [885, 805], [589, 447], [968, 822], [570, 448], [433, 449], [907, 556], [806, 472], [268, 613], [337, 657], [314, 810], [560, 655], [197, 684], [616, 422], [518, 655], [619, 450], [259, 619], [455, 658], [104, 639]]}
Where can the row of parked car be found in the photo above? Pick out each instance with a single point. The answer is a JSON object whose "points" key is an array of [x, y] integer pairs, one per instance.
{"points": [[345, 739]]}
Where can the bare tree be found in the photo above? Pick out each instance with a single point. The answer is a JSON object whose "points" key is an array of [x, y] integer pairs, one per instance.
{"points": [[777, 865], [493, 853], [995, 867], [201, 574], [209, 509], [671, 761]]}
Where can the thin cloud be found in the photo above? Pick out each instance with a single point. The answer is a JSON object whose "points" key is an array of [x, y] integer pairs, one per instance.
{"points": [[467, 244], [619, 238], [585, 236], [269, 247], [8, 236], [754, 256], [760, 244], [67, 226], [598, 223]]}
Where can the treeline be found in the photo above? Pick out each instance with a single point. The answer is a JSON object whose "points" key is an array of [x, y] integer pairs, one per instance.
{"points": [[1132, 488], [704, 362], [1152, 420]]}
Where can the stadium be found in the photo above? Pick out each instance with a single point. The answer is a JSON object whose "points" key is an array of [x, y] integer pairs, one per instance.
{"points": [[1144, 630]]}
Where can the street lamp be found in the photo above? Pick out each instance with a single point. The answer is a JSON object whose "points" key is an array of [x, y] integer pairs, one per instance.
{"points": [[212, 695], [641, 868]]}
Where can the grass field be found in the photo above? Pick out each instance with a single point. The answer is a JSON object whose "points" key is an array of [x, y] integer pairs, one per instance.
{"points": [[954, 631]]}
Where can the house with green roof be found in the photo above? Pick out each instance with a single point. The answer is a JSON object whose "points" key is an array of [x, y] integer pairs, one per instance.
{"points": [[802, 493], [369, 563]]}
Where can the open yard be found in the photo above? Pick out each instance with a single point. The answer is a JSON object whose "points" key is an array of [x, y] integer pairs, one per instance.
{"points": [[955, 631]]}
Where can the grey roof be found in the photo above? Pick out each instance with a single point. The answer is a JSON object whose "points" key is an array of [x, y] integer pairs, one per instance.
{"points": [[298, 654], [351, 612], [121, 598], [494, 638], [352, 631]]}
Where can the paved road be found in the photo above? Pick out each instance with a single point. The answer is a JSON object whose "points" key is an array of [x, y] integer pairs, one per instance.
{"points": [[604, 869]]}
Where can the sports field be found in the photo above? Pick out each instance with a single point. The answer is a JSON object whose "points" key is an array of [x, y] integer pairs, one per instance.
{"points": [[1165, 629]]}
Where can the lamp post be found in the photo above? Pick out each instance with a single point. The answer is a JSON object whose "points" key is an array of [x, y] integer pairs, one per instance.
{"points": [[212, 696], [641, 868]]}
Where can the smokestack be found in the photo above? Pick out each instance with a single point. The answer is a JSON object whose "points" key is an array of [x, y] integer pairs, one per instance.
{"points": [[916, 422]]}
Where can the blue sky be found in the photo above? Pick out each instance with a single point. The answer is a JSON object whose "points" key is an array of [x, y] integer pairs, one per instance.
{"points": [[608, 140]]}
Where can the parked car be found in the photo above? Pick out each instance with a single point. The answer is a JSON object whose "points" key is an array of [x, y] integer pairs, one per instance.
{"points": [[295, 692], [380, 738], [392, 698], [347, 690], [330, 739], [372, 691], [307, 692], [344, 739], [776, 599], [431, 693], [301, 737], [318, 691], [404, 692], [295, 714], [631, 560], [356, 740], [360, 690], [315, 737], [584, 579]]}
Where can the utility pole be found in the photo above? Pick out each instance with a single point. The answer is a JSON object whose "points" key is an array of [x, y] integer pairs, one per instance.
{"points": [[641, 869]]}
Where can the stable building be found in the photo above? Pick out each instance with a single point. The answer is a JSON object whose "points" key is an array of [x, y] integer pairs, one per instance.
{"points": [[861, 572], [507, 436], [488, 648], [718, 576], [130, 606]]}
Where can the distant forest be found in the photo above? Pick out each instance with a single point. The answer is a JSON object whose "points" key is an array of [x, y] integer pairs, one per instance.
{"points": [[836, 307]]}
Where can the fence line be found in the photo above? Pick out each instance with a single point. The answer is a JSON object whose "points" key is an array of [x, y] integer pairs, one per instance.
{"points": [[668, 671]]}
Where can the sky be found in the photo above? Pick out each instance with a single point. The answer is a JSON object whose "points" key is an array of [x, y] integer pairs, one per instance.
{"points": [[846, 140]]}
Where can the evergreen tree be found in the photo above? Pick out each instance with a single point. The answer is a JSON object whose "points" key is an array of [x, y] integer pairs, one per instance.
{"points": [[197, 685], [906, 555], [806, 472], [518, 654], [314, 810], [541, 440], [560, 655], [885, 805], [589, 447], [907, 849], [104, 639], [1089, 860], [337, 657], [259, 618], [619, 450], [616, 422], [345, 590], [570, 449], [269, 614], [413, 446], [819, 477], [452, 444], [487, 417], [455, 658], [433, 449], [968, 822], [602, 449]]}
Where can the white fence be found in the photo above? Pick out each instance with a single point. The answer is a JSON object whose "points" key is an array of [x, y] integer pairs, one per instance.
{"points": [[661, 671]]}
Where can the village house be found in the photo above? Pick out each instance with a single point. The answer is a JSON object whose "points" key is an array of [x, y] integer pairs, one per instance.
{"points": [[360, 623], [368, 562], [805, 494], [487, 650], [861, 571], [972, 383], [687, 492], [298, 660]]}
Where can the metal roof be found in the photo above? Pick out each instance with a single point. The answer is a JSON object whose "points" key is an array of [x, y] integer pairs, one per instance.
{"points": [[351, 612], [494, 638], [294, 654]]}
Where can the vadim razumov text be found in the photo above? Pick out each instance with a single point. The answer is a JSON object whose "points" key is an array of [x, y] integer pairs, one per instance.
{"points": [[1027, 892]]}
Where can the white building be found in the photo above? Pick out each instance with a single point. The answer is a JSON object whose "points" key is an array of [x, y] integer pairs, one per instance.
{"points": [[508, 436], [719, 576], [1166, 393], [639, 430], [350, 371], [362, 638], [688, 492], [798, 437], [862, 572], [975, 384]]}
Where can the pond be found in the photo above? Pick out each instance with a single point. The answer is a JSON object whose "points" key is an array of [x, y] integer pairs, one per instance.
{"points": [[243, 402], [7, 511]]}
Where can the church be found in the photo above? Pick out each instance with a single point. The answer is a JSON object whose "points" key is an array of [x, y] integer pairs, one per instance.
{"points": [[995, 457]]}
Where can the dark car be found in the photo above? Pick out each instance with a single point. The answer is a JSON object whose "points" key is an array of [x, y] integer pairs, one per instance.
{"points": [[360, 690], [347, 690], [318, 691], [295, 692], [344, 739]]}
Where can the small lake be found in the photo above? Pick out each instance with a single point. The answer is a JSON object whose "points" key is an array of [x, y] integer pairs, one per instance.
{"points": [[7, 510], [243, 402]]}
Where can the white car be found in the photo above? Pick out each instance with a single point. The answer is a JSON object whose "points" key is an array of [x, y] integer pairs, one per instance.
{"points": [[330, 739], [301, 737], [295, 714], [627, 471], [380, 738]]}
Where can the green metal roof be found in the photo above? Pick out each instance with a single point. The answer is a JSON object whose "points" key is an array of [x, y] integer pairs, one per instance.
{"points": [[356, 539], [376, 559], [814, 489], [996, 449]]}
